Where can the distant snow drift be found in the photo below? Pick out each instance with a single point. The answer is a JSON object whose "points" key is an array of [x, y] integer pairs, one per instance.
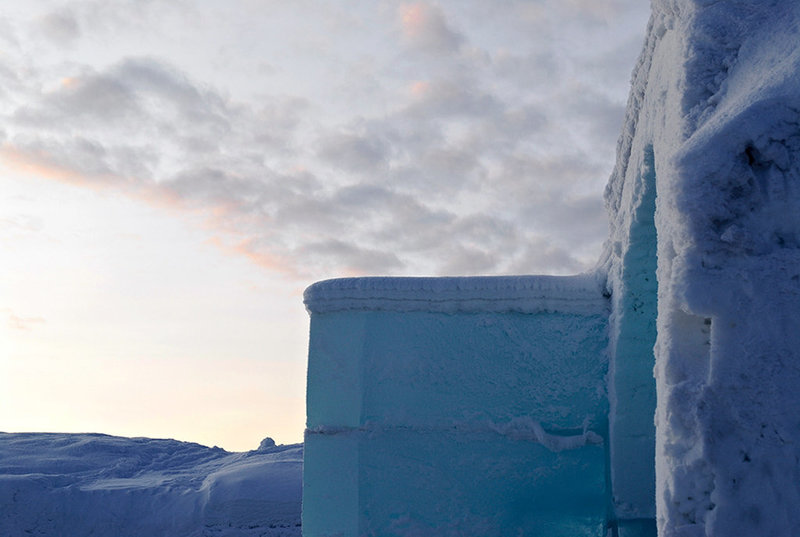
{"points": [[76, 485]]}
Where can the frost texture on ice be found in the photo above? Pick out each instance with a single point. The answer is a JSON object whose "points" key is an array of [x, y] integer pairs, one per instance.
{"points": [[526, 406], [484, 414]]}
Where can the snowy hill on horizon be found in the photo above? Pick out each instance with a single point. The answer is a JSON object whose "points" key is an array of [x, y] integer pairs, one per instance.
{"points": [[94, 484]]}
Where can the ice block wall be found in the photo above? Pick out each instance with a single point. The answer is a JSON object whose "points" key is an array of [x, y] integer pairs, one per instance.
{"points": [[633, 288], [457, 406]]}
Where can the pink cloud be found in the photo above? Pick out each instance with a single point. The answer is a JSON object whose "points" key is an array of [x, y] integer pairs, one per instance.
{"points": [[24, 323], [425, 26], [219, 216], [248, 248], [41, 164]]}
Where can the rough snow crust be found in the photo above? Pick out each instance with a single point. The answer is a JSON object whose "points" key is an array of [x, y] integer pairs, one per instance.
{"points": [[714, 116], [523, 294], [92, 484]]}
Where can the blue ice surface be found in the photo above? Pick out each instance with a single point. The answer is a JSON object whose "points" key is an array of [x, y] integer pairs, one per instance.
{"points": [[631, 382], [395, 482], [476, 420]]}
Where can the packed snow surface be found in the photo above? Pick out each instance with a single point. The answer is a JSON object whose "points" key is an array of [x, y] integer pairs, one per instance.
{"points": [[93, 484]]}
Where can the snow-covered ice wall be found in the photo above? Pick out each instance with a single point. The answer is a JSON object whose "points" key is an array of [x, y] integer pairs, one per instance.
{"points": [[712, 134], [457, 406]]}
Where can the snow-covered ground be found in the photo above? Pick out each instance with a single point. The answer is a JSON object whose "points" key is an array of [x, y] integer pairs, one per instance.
{"points": [[92, 484]]}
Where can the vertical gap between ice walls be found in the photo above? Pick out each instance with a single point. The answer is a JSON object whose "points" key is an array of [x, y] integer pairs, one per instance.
{"points": [[632, 389]]}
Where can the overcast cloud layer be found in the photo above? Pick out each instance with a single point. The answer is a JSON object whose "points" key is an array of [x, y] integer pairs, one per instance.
{"points": [[324, 139]]}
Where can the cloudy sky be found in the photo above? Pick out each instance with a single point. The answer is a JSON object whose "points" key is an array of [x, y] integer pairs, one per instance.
{"points": [[173, 173]]}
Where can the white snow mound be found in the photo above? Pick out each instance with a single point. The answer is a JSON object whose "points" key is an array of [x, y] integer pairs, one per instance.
{"points": [[94, 484]]}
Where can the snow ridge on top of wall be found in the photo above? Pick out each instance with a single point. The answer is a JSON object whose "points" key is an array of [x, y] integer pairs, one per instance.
{"points": [[580, 294]]}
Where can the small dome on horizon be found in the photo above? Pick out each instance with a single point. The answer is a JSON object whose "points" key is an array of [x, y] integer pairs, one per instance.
{"points": [[265, 444]]}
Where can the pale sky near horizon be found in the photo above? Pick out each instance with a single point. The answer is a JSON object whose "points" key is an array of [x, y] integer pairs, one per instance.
{"points": [[174, 173]]}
